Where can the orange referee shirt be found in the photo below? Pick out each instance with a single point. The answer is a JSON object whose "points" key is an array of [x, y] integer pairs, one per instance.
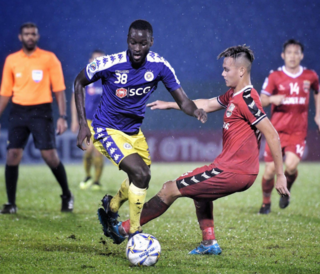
{"points": [[29, 79]]}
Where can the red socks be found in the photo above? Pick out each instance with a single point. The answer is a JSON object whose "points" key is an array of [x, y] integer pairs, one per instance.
{"points": [[204, 211], [290, 179], [267, 186]]}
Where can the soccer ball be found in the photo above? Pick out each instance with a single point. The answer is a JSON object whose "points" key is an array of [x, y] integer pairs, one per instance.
{"points": [[143, 249]]}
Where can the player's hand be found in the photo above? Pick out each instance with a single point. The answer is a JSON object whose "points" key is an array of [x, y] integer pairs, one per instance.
{"points": [[277, 99], [158, 105], [62, 126], [201, 115], [83, 135], [74, 127], [281, 185]]}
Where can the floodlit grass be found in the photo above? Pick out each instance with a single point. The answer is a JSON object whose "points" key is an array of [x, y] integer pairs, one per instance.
{"points": [[40, 239]]}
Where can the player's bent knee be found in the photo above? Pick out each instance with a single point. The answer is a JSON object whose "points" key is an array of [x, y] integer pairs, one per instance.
{"points": [[141, 177], [169, 192], [14, 156], [291, 169], [269, 171]]}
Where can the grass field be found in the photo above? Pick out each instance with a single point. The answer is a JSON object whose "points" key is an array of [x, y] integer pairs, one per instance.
{"points": [[40, 239]]}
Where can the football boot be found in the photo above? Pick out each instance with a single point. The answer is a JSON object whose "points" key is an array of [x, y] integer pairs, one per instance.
{"points": [[9, 209], [284, 201], [265, 209], [213, 249], [67, 203], [86, 183]]}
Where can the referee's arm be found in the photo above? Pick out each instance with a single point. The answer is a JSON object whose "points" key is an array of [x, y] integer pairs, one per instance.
{"points": [[62, 105], [6, 86]]}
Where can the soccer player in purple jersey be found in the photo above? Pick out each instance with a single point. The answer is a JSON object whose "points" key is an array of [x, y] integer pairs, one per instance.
{"points": [[91, 156], [235, 168], [128, 79]]}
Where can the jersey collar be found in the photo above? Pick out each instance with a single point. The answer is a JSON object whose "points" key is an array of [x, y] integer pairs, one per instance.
{"points": [[34, 54], [291, 74], [245, 88]]}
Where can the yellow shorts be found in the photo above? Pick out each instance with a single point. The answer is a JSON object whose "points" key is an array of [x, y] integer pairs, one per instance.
{"points": [[89, 122], [116, 145]]}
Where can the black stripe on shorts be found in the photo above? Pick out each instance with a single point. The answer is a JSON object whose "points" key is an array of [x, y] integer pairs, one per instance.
{"points": [[195, 179]]}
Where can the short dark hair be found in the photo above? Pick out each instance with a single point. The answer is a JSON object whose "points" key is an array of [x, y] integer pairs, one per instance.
{"points": [[292, 42], [141, 25], [97, 51], [238, 51], [27, 25]]}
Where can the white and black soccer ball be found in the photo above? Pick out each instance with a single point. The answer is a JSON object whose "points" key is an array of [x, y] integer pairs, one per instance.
{"points": [[143, 249]]}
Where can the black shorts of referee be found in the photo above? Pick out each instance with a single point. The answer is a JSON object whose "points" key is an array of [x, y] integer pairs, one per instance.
{"points": [[36, 120]]}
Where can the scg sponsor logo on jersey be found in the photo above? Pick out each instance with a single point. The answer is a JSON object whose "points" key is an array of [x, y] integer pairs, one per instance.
{"points": [[139, 91]]}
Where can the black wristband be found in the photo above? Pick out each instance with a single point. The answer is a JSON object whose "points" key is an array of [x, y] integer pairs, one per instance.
{"points": [[65, 117]]}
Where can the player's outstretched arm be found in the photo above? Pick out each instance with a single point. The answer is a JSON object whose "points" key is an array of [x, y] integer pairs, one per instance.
{"points": [[84, 131], [163, 105], [273, 141], [208, 105], [273, 99], [188, 106]]}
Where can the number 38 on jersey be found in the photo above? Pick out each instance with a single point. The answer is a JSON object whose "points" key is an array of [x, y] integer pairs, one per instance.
{"points": [[121, 78]]}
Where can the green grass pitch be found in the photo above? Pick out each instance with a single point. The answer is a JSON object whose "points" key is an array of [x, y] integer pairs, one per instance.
{"points": [[40, 239]]}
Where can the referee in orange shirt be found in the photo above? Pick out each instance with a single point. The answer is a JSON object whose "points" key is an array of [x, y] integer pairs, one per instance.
{"points": [[28, 77]]}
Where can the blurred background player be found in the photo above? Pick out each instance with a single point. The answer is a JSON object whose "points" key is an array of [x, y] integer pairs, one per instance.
{"points": [[236, 168], [28, 76], [91, 156], [128, 78], [288, 91]]}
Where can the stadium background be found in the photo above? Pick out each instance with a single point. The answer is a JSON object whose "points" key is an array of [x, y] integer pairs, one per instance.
{"points": [[189, 34]]}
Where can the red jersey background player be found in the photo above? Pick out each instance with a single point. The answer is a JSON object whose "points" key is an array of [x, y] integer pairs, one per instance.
{"points": [[288, 91], [234, 170]]}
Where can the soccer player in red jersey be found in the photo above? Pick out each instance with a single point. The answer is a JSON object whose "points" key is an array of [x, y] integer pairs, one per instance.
{"points": [[235, 169], [288, 92]]}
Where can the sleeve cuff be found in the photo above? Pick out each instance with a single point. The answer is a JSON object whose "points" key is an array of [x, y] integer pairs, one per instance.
{"points": [[174, 88], [218, 99], [265, 92], [258, 120]]}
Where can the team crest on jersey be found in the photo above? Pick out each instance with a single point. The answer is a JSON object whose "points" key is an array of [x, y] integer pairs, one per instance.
{"points": [[306, 86], [148, 76], [230, 109], [37, 75], [127, 146], [121, 92], [93, 66]]}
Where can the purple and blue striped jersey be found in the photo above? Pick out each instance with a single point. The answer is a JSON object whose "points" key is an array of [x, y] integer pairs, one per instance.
{"points": [[126, 89]]}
